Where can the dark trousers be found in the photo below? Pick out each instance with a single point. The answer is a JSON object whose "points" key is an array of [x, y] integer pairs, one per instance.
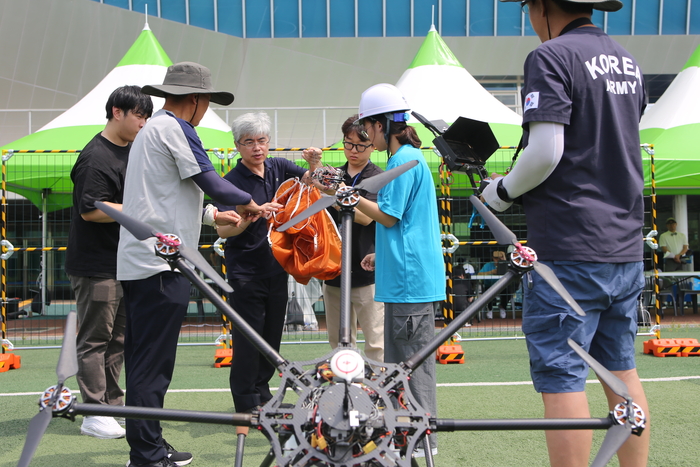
{"points": [[262, 303], [100, 341], [155, 309]]}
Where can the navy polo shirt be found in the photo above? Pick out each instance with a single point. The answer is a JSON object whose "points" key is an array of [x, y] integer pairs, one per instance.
{"points": [[248, 255], [591, 207]]}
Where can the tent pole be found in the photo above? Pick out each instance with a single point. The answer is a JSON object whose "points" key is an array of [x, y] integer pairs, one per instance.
{"points": [[44, 229]]}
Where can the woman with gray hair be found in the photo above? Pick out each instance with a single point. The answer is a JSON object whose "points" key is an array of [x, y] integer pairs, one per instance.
{"points": [[258, 280]]}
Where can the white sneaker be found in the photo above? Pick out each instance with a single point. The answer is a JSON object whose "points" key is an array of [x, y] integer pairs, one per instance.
{"points": [[420, 452], [102, 427], [503, 313]]}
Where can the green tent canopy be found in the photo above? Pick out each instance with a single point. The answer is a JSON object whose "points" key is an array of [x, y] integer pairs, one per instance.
{"points": [[44, 177], [672, 125]]}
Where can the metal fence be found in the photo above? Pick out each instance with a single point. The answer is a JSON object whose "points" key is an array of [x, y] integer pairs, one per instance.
{"points": [[36, 227]]}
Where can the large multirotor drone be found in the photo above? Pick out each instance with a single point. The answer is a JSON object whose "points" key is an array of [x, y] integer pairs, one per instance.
{"points": [[348, 410]]}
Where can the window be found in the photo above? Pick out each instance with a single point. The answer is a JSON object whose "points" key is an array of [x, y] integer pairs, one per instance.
{"points": [[370, 18]]}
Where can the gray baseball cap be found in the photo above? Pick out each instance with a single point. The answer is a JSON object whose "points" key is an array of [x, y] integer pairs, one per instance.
{"points": [[602, 5], [188, 78]]}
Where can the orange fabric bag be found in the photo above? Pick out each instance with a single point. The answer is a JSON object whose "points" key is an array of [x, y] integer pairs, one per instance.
{"points": [[311, 248]]}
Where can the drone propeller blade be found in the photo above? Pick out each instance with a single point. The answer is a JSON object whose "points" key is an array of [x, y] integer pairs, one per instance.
{"points": [[68, 359], [138, 229], [321, 204], [503, 234], [614, 439], [374, 184], [203, 265], [613, 382], [35, 431], [551, 279]]}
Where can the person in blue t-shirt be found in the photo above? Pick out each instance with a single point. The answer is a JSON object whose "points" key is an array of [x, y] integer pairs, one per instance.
{"points": [[581, 182], [410, 272]]}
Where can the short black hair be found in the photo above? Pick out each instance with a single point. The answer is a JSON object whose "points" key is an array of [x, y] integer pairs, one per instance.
{"points": [[129, 99]]}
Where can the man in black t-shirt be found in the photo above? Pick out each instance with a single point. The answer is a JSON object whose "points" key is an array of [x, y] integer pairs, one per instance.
{"points": [[363, 309], [581, 182], [91, 259]]}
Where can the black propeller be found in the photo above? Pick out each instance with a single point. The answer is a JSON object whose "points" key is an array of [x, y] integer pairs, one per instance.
{"points": [[142, 231], [504, 236], [372, 185], [67, 367], [614, 439]]}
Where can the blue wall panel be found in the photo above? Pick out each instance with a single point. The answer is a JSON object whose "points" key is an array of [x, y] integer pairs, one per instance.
{"points": [[313, 18], [286, 18], [173, 10], [140, 6], [343, 18], [454, 18], [675, 16], [481, 18], [202, 13], [257, 18], [398, 20], [230, 19], [508, 22], [620, 22], [646, 20], [370, 18], [695, 17]]}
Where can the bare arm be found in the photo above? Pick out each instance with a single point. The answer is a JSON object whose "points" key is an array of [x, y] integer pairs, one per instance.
{"points": [[98, 216], [371, 210]]}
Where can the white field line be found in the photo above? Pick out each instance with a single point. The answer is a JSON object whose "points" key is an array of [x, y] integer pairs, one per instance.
{"points": [[442, 385]]}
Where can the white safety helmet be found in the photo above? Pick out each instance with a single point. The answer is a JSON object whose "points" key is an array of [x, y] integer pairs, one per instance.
{"points": [[382, 99]]}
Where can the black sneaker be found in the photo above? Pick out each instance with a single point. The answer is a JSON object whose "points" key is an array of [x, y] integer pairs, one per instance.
{"points": [[176, 457]]}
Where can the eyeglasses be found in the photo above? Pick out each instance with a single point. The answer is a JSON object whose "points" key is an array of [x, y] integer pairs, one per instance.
{"points": [[357, 146], [524, 7], [251, 143]]}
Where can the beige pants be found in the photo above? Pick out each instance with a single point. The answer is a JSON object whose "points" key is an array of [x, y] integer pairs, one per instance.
{"points": [[363, 309]]}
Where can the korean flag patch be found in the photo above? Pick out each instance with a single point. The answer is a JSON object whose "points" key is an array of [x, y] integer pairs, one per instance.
{"points": [[532, 101]]}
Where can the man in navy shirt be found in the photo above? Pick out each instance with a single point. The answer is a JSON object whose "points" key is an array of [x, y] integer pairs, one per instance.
{"points": [[580, 178], [259, 283]]}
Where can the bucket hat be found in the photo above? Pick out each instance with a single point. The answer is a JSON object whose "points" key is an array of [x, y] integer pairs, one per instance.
{"points": [[188, 78]]}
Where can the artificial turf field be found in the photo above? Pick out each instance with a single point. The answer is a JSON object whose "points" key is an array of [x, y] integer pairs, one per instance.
{"points": [[494, 382]]}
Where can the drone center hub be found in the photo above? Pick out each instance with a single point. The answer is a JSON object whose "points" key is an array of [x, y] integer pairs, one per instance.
{"points": [[335, 411]]}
